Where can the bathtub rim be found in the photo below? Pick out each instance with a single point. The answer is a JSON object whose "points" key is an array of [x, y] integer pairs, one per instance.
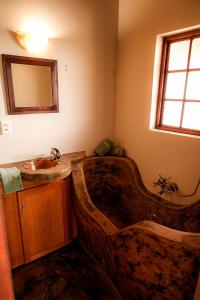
{"points": [[175, 204], [81, 193]]}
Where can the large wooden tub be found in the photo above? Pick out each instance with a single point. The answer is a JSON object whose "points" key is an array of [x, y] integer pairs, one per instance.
{"points": [[149, 247]]}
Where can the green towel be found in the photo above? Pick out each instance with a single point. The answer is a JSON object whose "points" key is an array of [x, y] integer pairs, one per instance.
{"points": [[104, 147], [117, 151], [11, 179]]}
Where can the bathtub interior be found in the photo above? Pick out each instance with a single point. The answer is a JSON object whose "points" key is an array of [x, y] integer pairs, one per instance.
{"points": [[116, 189]]}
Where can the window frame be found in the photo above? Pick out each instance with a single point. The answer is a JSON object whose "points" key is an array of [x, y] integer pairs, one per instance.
{"points": [[167, 41]]}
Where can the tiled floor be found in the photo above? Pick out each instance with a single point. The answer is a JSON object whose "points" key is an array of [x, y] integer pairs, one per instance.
{"points": [[67, 274]]}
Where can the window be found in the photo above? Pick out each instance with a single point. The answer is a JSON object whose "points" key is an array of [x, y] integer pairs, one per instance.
{"points": [[178, 106]]}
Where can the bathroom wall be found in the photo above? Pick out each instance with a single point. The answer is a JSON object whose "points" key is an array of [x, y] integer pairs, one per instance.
{"points": [[83, 36], [140, 21]]}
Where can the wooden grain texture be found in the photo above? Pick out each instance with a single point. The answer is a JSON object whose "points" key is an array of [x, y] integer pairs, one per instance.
{"points": [[7, 60], [6, 289], [71, 220], [43, 215], [13, 229], [127, 229]]}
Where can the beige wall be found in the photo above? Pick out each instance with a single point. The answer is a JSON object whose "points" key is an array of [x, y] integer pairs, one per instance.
{"points": [[140, 21], [83, 40]]}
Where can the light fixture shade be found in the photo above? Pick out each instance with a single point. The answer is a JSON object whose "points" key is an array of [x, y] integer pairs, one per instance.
{"points": [[33, 42]]}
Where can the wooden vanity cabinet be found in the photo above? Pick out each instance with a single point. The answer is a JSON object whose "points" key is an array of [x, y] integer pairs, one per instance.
{"points": [[13, 229], [45, 220], [43, 215]]}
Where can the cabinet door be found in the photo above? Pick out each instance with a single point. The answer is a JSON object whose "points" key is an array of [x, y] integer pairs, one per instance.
{"points": [[13, 229], [43, 216], [6, 288]]}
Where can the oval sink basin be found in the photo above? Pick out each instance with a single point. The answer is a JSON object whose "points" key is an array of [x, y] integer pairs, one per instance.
{"points": [[40, 163], [44, 170]]}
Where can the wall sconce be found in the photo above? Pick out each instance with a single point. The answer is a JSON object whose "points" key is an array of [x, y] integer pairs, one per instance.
{"points": [[33, 42]]}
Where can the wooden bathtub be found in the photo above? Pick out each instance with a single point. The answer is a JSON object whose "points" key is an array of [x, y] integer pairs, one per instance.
{"points": [[149, 247]]}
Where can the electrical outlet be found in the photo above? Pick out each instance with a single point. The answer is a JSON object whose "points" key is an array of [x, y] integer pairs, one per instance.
{"points": [[6, 127]]}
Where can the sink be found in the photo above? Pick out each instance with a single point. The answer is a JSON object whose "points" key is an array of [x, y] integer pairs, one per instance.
{"points": [[44, 169], [40, 163]]}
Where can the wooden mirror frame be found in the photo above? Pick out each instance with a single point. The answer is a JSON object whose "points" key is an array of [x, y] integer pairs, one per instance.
{"points": [[7, 60]]}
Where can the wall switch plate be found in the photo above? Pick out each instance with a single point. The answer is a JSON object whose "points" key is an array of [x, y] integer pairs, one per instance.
{"points": [[6, 127]]}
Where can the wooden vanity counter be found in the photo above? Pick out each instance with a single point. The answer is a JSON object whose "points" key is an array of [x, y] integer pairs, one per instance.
{"points": [[32, 179], [39, 219]]}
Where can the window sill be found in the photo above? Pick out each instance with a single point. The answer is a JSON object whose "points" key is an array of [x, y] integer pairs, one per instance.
{"points": [[167, 131]]}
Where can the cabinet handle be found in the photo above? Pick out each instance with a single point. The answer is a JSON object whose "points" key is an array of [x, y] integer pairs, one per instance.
{"points": [[22, 209]]}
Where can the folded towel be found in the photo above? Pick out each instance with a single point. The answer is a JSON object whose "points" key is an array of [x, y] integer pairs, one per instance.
{"points": [[11, 179], [104, 147], [117, 151]]}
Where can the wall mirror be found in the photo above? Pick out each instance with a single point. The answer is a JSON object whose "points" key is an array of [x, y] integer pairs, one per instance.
{"points": [[31, 84]]}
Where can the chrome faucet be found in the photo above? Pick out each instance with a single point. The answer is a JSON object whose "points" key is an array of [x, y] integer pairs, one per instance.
{"points": [[55, 154]]}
